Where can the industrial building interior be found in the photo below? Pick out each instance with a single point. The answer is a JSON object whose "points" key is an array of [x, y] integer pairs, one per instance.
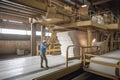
{"points": [[83, 38]]}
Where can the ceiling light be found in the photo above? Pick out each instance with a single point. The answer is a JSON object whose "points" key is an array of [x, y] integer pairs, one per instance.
{"points": [[84, 5]]}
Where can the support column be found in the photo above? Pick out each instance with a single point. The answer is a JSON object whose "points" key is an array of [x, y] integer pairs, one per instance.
{"points": [[107, 42], [89, 43], [97, 36], [33, 39], [42, 33], [119, 30], [111, 42], [119, 22]]}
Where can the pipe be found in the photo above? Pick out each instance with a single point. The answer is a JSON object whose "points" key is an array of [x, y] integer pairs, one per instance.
{"points": [[23, 6], [15, 12], [18, 7], [15, 9]]}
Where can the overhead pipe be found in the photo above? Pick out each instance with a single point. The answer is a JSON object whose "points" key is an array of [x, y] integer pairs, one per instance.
{"points": [[23, 6], [36, 4], [18, 7], [14, 9], [15, 12]]}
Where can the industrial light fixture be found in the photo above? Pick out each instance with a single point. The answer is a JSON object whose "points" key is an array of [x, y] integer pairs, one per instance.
{"points": [[93, 42], [84, 5]]}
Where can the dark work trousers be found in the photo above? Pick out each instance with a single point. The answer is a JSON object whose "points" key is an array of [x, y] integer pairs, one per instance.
{"points": [[43, 57]]}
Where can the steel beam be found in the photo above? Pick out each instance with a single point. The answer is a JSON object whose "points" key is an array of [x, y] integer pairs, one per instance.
{"points": [[33, 3], [100, 2]]}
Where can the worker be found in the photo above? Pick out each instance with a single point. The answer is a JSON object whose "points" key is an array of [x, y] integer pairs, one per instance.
{"points": [[43, 47]]}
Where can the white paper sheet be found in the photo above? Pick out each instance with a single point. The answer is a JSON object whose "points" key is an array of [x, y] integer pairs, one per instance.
{"points": [[106, 69]]}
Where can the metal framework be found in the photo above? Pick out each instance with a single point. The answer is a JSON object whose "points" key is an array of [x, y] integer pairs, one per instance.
{"points": [[85, 59], [86, 68], [75, 57], [53, 43]]}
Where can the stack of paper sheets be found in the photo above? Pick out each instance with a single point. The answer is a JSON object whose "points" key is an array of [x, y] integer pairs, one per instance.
{"points": [[68, 38], [106, 69]]}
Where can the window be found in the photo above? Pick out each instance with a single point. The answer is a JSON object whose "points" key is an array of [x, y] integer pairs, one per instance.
{"points": [[20, 32]]}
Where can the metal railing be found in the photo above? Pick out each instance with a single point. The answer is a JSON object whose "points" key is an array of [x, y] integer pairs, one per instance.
{"points": [[74, 57], [87, 59]]}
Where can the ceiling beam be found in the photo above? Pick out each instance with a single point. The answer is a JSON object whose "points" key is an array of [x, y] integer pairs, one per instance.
{"points": [[33, 3], [77, 2], [16, 9], [7, 11], [68, 3], [85, 24], [100, 2], [20, 7], [13, 17]]}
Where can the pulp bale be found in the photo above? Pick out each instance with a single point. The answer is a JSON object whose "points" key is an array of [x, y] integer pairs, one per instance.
{"points": [[68, 38]]}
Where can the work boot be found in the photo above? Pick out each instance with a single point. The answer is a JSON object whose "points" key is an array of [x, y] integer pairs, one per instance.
{"points": [[47, 67], [42, 67]]}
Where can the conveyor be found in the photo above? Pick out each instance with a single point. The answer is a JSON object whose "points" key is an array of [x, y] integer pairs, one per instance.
{"points": [[107, 65]]}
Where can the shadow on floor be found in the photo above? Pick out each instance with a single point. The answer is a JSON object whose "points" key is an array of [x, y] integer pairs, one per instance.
{"points": [[12, 56]]}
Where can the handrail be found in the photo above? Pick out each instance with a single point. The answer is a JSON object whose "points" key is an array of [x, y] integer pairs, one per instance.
{"points": [[101, 56], [90, 46], [97, 47], [75, 57], [86, 59]]}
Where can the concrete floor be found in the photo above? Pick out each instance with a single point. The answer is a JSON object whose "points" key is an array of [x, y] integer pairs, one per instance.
{"points": [[29, 67], [12, 56]]}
